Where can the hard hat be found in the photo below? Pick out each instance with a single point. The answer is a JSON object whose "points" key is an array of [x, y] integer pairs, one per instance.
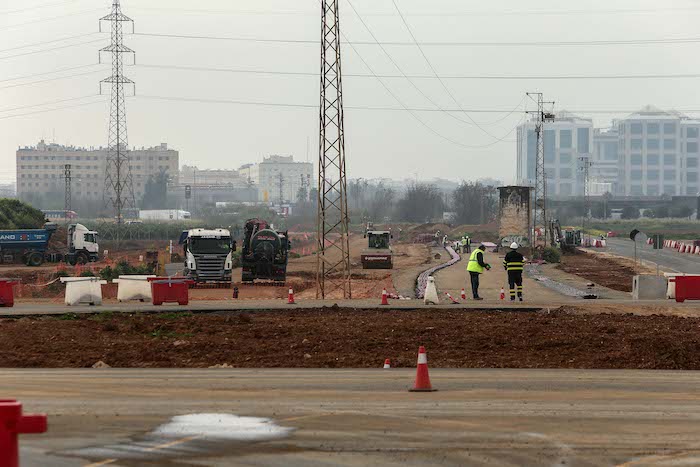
{"points": [[514, 246]]}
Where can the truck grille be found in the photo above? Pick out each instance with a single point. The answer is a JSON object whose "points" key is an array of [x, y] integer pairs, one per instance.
{"points": [[210, 268]]}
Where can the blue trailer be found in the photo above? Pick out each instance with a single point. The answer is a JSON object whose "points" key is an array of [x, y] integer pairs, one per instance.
{"points": [[31, 246]]}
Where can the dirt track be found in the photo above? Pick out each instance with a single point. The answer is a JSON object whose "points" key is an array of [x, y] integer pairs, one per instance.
{"points": [[613, 272], [338, 338]]}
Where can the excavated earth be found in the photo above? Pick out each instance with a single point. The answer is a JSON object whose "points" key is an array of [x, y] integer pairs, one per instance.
{"points": [[608, 271], [345, 338]]}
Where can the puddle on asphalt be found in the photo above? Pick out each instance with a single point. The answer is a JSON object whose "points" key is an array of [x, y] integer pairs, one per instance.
{"points": [[193, 435]]}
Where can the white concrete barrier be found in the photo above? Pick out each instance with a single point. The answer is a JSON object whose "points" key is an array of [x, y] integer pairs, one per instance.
{"points": [[431, 295], [133, 287], [83, 290]]}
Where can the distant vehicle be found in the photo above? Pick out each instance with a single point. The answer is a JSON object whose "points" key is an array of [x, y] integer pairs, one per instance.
{"points": [[59, 214], [568, 239], [378, 254], [208, 254], [164, 215], [265, 253], [616, 214], [133, 222], [31, 246]]}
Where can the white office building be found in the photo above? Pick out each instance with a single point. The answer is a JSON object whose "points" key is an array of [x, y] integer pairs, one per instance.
{"points": [[279, 178], [568, 142]]}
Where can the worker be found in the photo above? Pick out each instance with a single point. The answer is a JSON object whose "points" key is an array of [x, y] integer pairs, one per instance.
{"points": [[476, 268], [514, 263], [468, 244], [463, 245], [444, 241]]}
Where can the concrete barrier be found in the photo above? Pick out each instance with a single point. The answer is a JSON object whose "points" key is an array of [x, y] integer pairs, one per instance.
{"points": [[83, 290], [649, 287], [133, 287]]}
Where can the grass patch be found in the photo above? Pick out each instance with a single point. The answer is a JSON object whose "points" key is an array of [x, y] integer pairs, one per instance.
{"points": [[175, 315], [69, 317], [102, 316]]}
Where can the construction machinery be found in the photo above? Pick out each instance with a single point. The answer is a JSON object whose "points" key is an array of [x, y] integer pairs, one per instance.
{"points": [[566, 239], [378, 254], [208, 254], [265, 253]]}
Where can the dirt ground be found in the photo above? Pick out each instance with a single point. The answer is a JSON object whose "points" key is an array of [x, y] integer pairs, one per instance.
{"points": [[344, 338], [609, 271]]}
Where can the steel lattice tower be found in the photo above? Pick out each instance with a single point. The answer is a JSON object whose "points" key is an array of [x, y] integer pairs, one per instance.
{"points": [[539, 219], [119, 188], [585, 167], [67, 201], [333, 256]]}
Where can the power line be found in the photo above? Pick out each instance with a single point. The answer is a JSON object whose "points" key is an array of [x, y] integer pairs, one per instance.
{"points": [[51, 79], [51, 49], [38, 7], [661, 41], [53, 110], [48, 42], [43, 20], [34, 75], [60, 101]]}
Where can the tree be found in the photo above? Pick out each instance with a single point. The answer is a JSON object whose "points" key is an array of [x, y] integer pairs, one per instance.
{"points": [[681, 211], [629, 212], [382, 202], [155, 193], [474, 203], [661, 212], [421, 202]]}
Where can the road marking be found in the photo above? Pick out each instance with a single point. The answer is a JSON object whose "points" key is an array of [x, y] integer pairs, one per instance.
{"points": [[151, 449]]}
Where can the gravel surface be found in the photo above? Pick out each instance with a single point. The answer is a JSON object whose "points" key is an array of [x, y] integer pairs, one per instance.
{"points": [[342, 338]]}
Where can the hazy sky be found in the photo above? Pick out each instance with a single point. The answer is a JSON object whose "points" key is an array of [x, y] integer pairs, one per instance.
{"points": [[380, 143]]}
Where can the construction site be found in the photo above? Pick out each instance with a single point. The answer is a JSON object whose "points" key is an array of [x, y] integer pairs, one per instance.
{"points": [[469, 326]]}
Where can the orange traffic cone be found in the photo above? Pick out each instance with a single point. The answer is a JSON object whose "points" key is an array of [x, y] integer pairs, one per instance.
{"points": [[451, 298], [387, 364], [464, 295], [290, 298], [503, 293], [385, 297], [422, 378]]}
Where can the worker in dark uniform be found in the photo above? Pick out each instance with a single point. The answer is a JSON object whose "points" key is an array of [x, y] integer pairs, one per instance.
{"points": [[476, 268], [514, 263]]}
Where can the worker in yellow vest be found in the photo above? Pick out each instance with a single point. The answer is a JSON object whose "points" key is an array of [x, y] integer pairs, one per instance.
{"points": [[476, 267]]}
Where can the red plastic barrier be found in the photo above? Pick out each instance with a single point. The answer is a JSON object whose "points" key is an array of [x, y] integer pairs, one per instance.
{"points": [[7, 295], [12, 424], [687, 288], [167, 290]]}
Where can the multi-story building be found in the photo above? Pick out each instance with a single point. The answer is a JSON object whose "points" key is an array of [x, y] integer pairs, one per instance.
{"points": [[604, 165], [41, 169], [568, 142], [192, 175], [279, 178]]}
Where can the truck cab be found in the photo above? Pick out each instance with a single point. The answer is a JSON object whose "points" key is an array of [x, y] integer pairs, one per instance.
{"points": [[208, 254], [82, 245], [378, 254]]}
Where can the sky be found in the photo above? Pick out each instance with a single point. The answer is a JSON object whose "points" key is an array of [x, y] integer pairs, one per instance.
{"points": [[190, 91]]}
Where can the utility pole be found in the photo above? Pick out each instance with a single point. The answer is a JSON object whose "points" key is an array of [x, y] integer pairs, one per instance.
{"points": [[333, 255], [68, 195], [281, 188], [119, 188], [540, 216], [585, 164]]}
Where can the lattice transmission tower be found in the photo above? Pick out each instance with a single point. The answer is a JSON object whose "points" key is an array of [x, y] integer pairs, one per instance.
{"points": [[539, 219], [585, 165], [67, 196], [119, 188], [333, 256]]}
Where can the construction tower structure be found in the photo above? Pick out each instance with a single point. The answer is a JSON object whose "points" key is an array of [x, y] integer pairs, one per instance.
{"points": [[67, 200], [119, 188], [539, 219], [333, 255], [585, 165]]}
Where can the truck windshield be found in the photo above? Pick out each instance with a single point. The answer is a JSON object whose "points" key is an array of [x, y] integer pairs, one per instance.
{"points": [[210, 246], [90, 238]]}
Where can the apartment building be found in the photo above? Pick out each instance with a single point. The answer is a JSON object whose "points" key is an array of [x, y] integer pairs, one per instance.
{"points": [[41, 168]]}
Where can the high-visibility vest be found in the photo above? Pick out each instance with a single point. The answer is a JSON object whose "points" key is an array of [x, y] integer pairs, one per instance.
{"points": [[474, 265], [463, 242]]}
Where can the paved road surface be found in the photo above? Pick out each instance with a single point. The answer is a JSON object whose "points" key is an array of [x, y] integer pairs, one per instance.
{"points": [[366, 417], [666, 258]]}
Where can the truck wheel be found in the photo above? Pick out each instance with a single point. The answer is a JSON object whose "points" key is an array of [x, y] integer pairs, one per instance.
{"points": [[81, 258], [35, 259]]}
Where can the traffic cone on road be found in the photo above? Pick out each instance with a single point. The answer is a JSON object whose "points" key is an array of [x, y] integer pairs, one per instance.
{"points": [[290, 297], [503, 293], [422, 383], [454, 302], [387, 364], [385, 297], [464, 295]]}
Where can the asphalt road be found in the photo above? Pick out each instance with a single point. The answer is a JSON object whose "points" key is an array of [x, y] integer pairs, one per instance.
{"points": [[666, 258], [364, 417]]}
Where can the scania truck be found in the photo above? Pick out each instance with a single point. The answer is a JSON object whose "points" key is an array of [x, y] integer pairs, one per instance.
{"points": [[208, 254]]}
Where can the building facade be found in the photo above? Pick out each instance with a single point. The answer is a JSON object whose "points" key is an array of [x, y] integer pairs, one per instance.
{"points": [[568, 143], [41, 169], [279, 178], [649, 154]]}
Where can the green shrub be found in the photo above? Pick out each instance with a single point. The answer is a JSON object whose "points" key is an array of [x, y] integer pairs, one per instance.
{"points": [[87, 273], [551, 255]]}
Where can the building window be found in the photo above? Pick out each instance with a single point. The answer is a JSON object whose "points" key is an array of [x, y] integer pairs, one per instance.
{"points": [[565, 139], [636, 144], [692, 132], [549, 146], [636, 190], [636, 159], [692, 177], [670, 144], [692, 191], [565, 173], [636, 128], [669, 190], [691, 147], [565, 158], [653, 144], [635, 175], [652, 175], [653, 190], [582, 140], [669, 128], [652, 128], [692, 162], [652, 159], [565, 189], [669, 175], [669, 159]]}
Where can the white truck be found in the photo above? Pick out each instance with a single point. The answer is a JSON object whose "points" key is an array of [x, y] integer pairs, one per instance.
{"points": [[208, 254], [164, 215]]}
